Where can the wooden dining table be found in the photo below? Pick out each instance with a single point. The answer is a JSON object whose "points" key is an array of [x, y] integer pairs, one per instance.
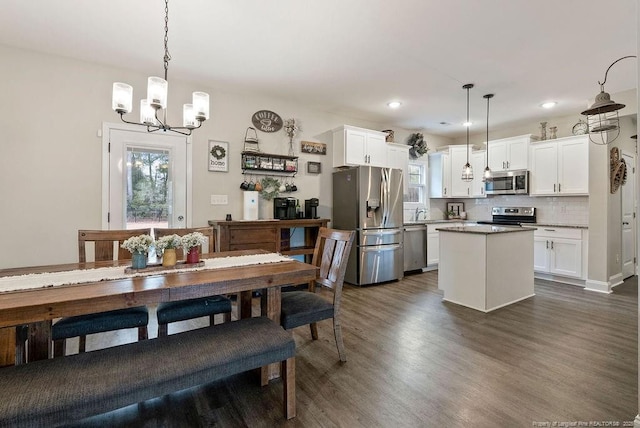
{"points": [[39, 307]]}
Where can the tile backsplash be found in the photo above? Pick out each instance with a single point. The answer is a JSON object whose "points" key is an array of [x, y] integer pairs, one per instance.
{"points": [[553, 209]]}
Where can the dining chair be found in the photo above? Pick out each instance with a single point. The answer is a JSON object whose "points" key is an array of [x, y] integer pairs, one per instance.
{"points": [[169, 312], [100, 322], [298, 308]]}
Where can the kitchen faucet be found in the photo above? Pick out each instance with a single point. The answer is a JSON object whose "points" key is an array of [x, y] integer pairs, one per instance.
{"points": [[416, 216]]}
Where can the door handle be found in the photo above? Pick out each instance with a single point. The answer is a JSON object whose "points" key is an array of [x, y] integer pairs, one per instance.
{"points": [[552, 245], [626, 223], [508, 164], [180, 218], [547, 245], [559, 187], [554, 187]]}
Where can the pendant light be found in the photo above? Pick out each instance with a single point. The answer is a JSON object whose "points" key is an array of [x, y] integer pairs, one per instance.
{"points": [[467, 169], [487, 171], [602, 116]]}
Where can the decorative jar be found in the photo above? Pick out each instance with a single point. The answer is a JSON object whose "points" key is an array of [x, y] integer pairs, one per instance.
{"points": [[169, 257], [138, 260]]}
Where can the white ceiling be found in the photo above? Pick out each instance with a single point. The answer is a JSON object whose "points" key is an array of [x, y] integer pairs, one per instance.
{"points": [[353, 56]]}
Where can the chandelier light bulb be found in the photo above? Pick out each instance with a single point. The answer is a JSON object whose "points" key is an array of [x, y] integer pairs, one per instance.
{"points": [[157, 89], [189, 116], [147, 113], [122, 98], [201, 105]]}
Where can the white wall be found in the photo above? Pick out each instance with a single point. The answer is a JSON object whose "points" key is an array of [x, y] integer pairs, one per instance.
{"points": [[50, 154]]}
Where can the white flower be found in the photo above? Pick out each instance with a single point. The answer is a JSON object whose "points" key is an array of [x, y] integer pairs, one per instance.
{"points": [[194, 239], [169, 241], [140, 243]]}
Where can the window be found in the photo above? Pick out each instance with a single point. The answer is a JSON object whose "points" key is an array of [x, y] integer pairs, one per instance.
{"points": [[416, 189]]}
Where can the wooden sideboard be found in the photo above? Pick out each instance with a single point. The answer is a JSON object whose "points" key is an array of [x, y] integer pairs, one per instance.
{"points": [[270, 235]]}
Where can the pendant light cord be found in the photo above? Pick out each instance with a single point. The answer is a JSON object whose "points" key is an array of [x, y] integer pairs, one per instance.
{"points": [[468, 126]]}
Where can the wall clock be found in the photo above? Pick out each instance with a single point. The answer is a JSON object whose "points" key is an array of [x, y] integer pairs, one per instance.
{"points": [[580, 128]]}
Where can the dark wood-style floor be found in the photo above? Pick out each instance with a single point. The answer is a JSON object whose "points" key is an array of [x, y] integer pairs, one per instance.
{"points": [[565, 355]]}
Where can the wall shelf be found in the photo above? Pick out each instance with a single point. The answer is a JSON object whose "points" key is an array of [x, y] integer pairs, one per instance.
{"points": [[268, 163]]}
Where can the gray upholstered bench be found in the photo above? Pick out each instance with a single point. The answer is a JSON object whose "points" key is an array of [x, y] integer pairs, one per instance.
{"points": [[64, 389]]}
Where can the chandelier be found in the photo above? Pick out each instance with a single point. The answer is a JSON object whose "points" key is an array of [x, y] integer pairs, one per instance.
{"points": [[602, 116], [193, 114]]}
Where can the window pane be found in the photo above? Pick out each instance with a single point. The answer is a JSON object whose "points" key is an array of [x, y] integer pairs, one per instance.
{"points": [[148, 193]]}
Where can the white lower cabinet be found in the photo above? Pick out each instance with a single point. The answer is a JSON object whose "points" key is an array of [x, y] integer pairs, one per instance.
{"points": [[433, 242], [558, 251]]}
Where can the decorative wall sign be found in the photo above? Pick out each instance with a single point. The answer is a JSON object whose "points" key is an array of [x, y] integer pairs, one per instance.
{"points": [[315, 148], [218, 156], [266, 121], [314, 167]]}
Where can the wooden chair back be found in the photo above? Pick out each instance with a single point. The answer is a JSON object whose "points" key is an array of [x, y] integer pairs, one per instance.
{"points": [[331, 254], [208, 232], [104, 241]]}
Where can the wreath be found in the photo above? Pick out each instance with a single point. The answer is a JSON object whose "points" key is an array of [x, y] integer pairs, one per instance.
{"points": [[270, 188], [418, 145], [218, 152]]}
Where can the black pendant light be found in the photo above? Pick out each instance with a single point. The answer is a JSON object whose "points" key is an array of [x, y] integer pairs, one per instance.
{"points": [[467, 170], [487, 171]]}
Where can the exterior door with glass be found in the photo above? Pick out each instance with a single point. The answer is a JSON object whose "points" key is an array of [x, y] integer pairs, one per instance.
{"points": [[147, 177]]}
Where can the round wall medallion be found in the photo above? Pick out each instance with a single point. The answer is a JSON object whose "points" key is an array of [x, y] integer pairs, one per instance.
{"points": [[266, 121]]}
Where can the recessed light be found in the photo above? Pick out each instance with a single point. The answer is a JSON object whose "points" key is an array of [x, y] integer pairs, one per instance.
{"points": [[394, 104], [548, 104]]}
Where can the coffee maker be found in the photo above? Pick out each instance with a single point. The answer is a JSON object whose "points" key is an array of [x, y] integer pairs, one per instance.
{"points": [[311, 208], [284, 208]]}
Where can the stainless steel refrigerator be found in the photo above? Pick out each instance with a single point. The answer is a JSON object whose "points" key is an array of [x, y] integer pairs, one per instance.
{"points": [[368, 200]]}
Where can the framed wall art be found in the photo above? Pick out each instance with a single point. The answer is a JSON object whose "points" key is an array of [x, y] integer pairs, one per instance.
{"points": [[218, 156], [314, 167], [313, 148]]}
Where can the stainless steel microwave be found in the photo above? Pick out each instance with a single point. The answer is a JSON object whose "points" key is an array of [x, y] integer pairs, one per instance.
{"points": [[514, 182]]}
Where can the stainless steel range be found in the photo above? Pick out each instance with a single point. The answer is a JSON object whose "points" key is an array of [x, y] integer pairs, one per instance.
{"points": [[511, 216]]}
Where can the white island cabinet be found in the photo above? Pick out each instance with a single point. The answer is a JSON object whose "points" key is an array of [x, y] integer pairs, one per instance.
{"points": [[486, 267]]}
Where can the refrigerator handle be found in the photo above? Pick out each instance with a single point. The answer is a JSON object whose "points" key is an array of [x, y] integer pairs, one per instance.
{"points": [[385, 197]]}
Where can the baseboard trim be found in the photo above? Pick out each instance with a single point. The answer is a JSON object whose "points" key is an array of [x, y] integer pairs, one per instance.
{"points": [[616, 280], [598, 286], [561, 279], [636, 421]]}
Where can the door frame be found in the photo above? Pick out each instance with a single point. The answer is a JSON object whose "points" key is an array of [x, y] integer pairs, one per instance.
{"points": [[634, 223], [106, 131]]}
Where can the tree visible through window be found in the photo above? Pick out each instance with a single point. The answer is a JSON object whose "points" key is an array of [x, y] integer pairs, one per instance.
{"points": [[148, 190], [416, 186]]}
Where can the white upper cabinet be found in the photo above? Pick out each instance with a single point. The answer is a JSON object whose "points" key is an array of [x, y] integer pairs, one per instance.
{"points": [[359, 146], [459, 188], [509, 153], [560, 167], [440, 175], [478, 162], [398, 157]]}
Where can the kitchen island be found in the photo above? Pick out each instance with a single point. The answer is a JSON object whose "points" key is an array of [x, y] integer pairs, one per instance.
{"points": [[486, 267]]}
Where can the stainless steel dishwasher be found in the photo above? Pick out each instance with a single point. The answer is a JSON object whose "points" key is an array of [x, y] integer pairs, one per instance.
{"points": [[415, 247]]}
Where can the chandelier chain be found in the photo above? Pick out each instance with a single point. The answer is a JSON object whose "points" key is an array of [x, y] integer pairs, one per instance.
{"points": [[167, 56]]}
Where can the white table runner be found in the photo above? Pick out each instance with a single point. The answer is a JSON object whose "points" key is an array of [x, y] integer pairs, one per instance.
{"points": [[52, 279]]}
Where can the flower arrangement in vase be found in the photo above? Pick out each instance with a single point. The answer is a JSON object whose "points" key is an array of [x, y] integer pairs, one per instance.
{"points": [[291, 128], [138, 246], [191, 242], [168, 245]]}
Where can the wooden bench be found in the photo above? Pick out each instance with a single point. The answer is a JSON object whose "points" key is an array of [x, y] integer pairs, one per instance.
{"points": [[65, 389]]}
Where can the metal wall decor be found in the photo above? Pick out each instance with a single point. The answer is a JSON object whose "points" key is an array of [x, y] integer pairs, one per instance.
{"points": [[618, 170], [266, 121]]}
